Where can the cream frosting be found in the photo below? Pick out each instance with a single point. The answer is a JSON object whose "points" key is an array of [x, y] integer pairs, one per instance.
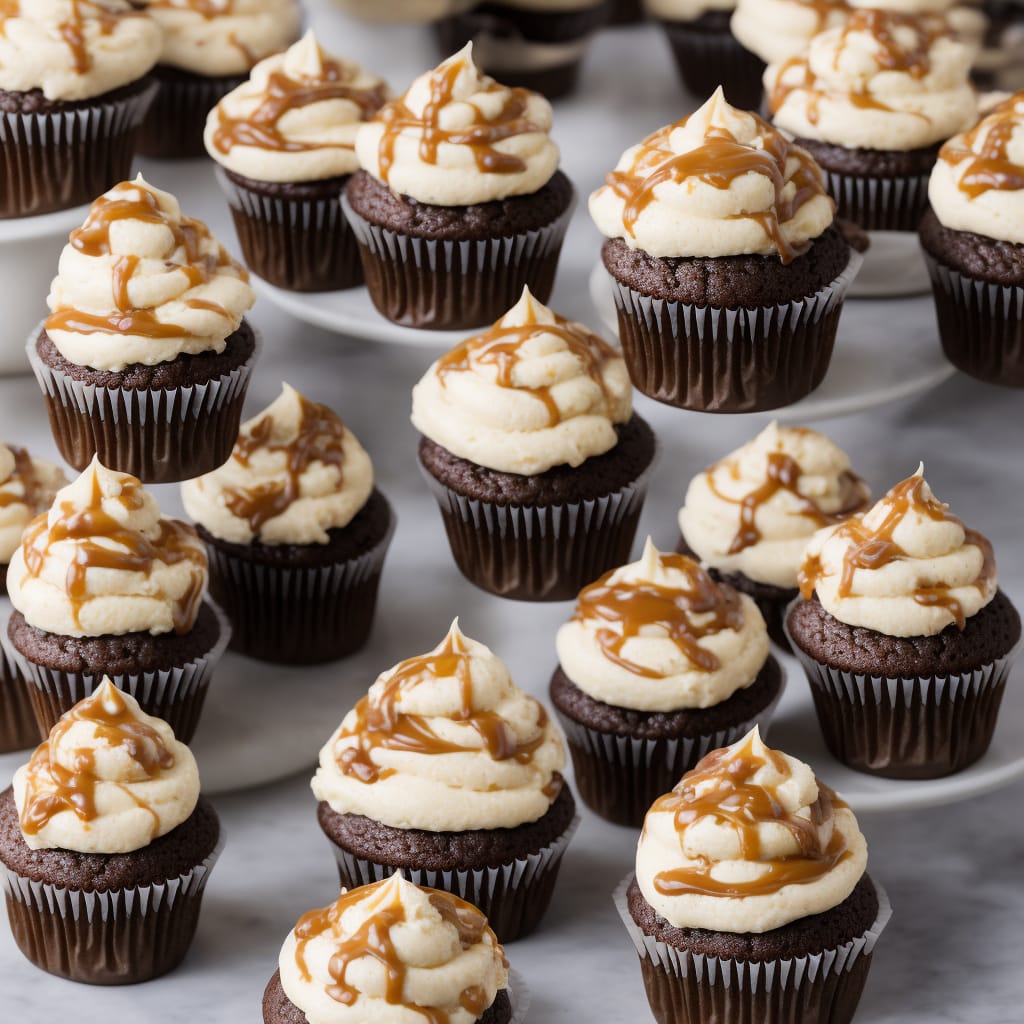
{"points": [[977, 183], [533, 391], [686, 10], [223, 37], [444, 742], [720, 182], [104, 562], [74, 49], [754, 510], [296, 117], [748, 841], [108, 779], [880, 81], [458, 137], [906, 567], [660, 635], [27, 487], [393, 953], [404, 12], [140, 282], [776, 30], [295, 472]]}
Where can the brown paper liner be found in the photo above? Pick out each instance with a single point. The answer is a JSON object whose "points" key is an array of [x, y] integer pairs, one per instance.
{"points": [[18, 728], [706, 60], [879, 204]]}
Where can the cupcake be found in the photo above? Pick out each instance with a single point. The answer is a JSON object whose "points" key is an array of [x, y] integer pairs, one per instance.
{"points": [[729, 273], [106, 845], [1000, 62], [536, 458], [459, 202], [749, 516], [208, 50], [973, 239], [658, 665], [145, 357], [449, 772], [285, 143], [905, 636], [74, 89], [296, 534], [103, 585], [441, 960], [751, 900]]}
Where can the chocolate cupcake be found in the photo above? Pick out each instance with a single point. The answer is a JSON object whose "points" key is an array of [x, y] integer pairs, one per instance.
{"points": [[751, 899], [106, 845], [296, 534], [450, 773], [905, 637], [748, 517], [658, 666], [145, 357], [452, 970], [103, 585], [207, 52], [459, 203], [284, 141], [999, 63], [728, 271], [74, 89], [973, 239], [534, 454]]}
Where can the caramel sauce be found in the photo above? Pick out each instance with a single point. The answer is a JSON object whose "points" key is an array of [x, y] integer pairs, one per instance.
{"points": [[24, 472], [990, 167], [73, 30]]}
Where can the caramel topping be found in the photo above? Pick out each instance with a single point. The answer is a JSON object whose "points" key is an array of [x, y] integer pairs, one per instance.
{"points": [[990, 165], [72, 31], [25, 472]]}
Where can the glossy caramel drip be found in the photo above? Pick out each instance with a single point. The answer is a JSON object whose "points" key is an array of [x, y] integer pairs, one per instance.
{"points": [[24, 472], [72, 31], [628, 608], [990, 167], [722, 788], [52, 788]]}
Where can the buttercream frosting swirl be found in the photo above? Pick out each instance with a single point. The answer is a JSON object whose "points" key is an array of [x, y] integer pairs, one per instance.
{"points": [[27, 487], [748, 841], [458, 137], [660, 635], [776, 30], [104, 562], [754, 510], [686, 10], [444, 742], [108, 779], [393, 953], [74, 49], [533, 391], [721, 182], [295, 472], [905, 567]]}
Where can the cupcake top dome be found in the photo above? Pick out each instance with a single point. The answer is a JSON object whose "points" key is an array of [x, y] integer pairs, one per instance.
{"points": [[27, 487]]}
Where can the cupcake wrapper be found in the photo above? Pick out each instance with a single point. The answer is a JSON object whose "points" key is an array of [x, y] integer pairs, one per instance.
{"points": [[160, 436], [18, 728], [116, 937], [174, 128], [879, 204], [981, 325], [58, 160], [540, 553], [424, 282], [692, 988], [513, 896], [730, 360], [304, 245], [706, 60], [518, 996], [176, 695]]}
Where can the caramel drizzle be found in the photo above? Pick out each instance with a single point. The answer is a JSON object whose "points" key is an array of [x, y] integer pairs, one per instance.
{"points": [[871, 549], [34, 495], [101, 542], [990, 166], [53, 788], [733, 799], [73, 30]]}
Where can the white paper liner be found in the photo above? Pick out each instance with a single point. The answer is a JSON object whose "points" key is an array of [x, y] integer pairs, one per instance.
{"points": [[518, 995], [877, 203]]}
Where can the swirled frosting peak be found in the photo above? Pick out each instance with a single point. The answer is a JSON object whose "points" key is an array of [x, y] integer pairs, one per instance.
{"points": [[458, 137], [533, 391], [393, 953], [295, 472], [108, 779], [104, 562], [444, 742], [660, 635], [74, 49], [27, 487], [754, 510], [905, 567], [879, 81], [977, 185], [139, 282], [748, 841], [720, 182]]}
